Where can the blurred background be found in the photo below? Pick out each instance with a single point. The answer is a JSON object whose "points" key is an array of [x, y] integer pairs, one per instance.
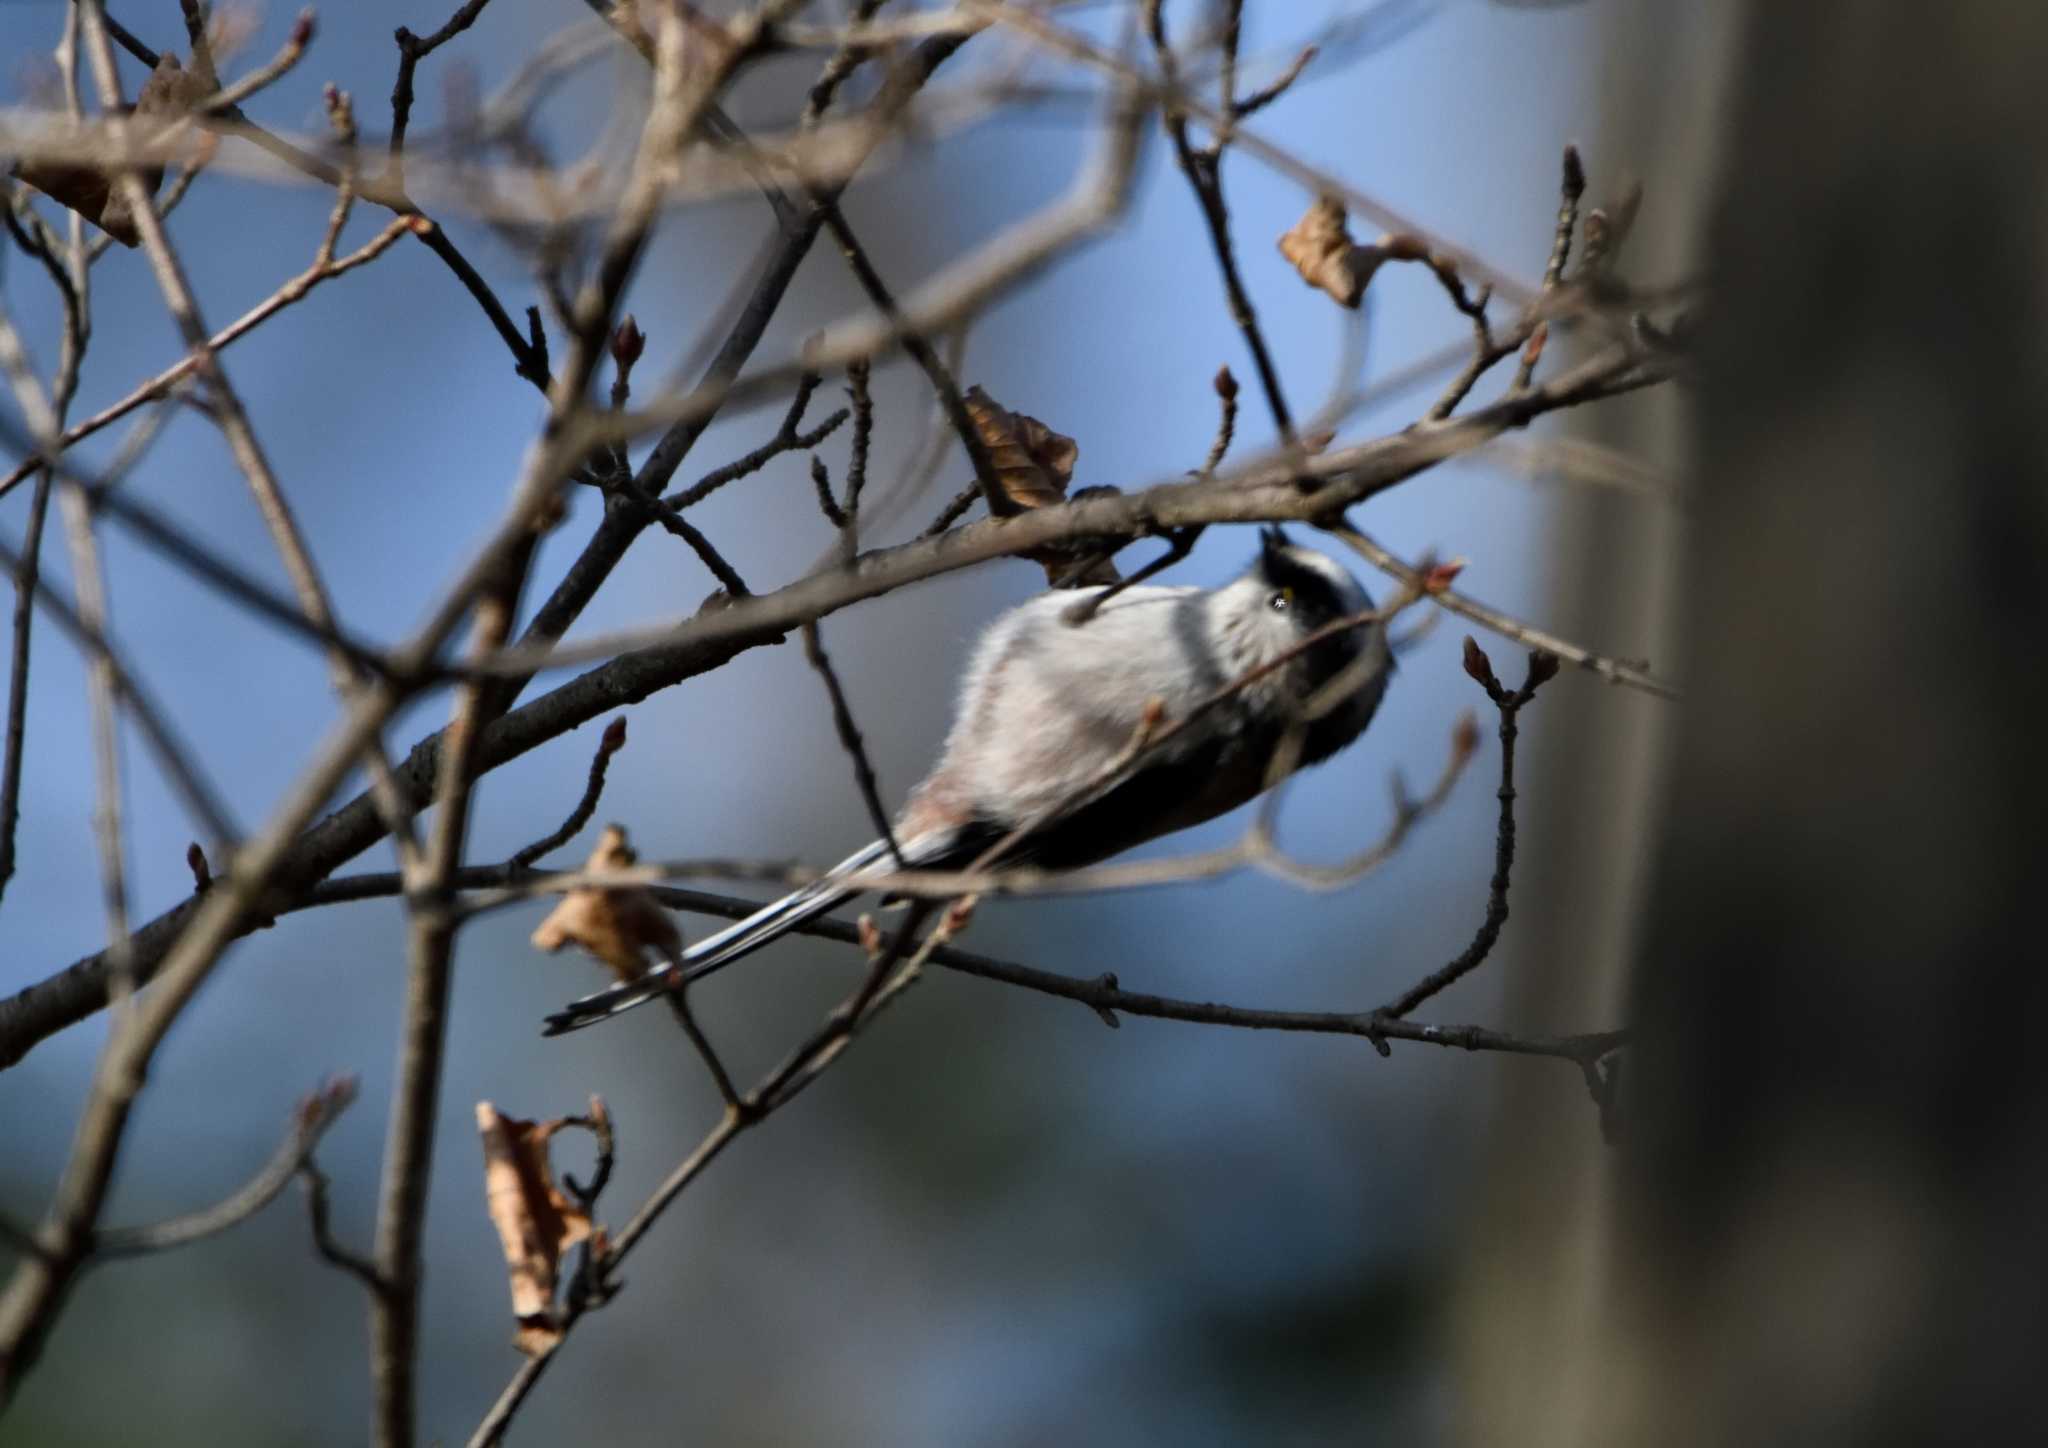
{"points": [[995, 1222]]}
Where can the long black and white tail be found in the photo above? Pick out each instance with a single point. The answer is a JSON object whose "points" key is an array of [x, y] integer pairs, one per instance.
{"points": [[742, 938]]}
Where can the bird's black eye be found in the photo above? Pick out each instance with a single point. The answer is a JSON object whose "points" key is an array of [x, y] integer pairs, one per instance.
{"points": [[1281, 600]]}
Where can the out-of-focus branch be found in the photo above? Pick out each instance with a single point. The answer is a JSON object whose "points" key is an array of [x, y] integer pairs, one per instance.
{"points": [[415, 1102], [74, 287], [1204, 171], [1573, 189], [412, 49], [45, 419], [176, 758], [680, 96], [790, 436], [1634, 674], [529, 351], [17, 674], [944, 386], [310, 1120], [295, 290], [324, 1242], [233, 420]]}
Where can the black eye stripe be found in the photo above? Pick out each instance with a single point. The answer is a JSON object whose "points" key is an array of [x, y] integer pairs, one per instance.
{"points": [[1313, 592]]}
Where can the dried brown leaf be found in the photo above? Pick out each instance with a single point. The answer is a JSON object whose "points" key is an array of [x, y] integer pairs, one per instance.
{"points": [[617, 926], [536, 1223], [1032, 462], [89, 190], [1033, 466], [1321, 250]]}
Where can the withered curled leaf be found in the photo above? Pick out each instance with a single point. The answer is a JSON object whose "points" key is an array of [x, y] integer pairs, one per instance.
{"points": [[616, 925], [1032, 462], [1321, 249], [1033, 466], [536, 1223], [88, 189]]}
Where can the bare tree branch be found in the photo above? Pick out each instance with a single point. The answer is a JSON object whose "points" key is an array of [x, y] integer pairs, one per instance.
{"points": [[611, 743], [850, 740], [1542, 668], [310, 1120]]}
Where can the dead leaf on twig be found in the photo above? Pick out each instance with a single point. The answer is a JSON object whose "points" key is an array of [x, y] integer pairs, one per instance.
{"points": [[1032, 462], [1322, 251], [617, 926], [89, 190], [536, 1222], [1034, 465]]}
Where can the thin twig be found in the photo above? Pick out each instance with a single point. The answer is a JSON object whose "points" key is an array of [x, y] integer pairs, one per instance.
{"points": [[1100, 991], [529, 353], [616, 534], [944, 386], [201, 799], [821, 484], [310, 1120], [1203, 169], [857, 450], [1226, 422], [229, 97], [843, 63], [1542, 668], [1572, 189], [272, 503], [1634, 673], [850, 740], [953, 512], [411, 51], [324, 1240], [292, 291], [612, 741], [790, 436], [17, 677], [679, 1005]]}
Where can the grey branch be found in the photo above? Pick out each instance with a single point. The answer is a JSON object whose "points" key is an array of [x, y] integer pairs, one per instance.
{"points": [[310, 1120]]}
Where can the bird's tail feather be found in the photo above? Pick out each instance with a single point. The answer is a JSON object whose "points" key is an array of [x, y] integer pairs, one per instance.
{"points": [[741, 938]]}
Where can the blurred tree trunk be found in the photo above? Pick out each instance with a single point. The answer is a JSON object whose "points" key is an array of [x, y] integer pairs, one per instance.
{"points": [[1830, 1221], [1536, 1239]]}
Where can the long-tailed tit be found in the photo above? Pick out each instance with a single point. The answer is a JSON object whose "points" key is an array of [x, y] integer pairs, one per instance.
{"points": [[1051, 704]]}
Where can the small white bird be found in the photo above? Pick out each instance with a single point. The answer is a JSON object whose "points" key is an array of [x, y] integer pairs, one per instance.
{"points": [[1050, 705]]}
